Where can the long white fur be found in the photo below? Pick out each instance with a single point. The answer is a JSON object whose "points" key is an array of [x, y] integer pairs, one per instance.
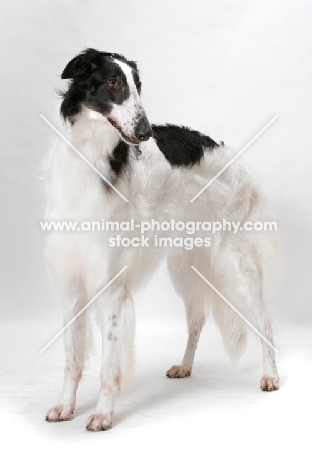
{"points": [[81, 263]]}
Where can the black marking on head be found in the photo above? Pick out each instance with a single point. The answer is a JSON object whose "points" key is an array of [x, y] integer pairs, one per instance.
{"points": [[82, 65], [97, 81], [136, 79], [181, 146]]}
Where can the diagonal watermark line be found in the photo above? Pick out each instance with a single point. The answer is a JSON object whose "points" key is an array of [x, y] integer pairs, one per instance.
{"points": [[233, 159], [83, 309], [85, 159], [234, 308]]}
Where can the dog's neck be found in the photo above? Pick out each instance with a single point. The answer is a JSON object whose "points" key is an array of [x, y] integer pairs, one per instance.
{"points": [[99, 142], [93, 134]]}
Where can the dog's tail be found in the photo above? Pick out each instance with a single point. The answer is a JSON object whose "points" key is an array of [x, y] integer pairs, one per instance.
{"points": [[232, 327]]}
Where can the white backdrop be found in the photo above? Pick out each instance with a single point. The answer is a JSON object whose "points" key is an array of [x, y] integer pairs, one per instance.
{"points": [[224, 68]]}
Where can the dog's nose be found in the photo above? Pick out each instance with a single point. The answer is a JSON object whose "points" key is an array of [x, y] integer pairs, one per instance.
{"points": [[143, 129]]}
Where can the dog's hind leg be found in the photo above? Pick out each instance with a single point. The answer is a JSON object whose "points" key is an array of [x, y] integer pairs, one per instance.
{"points": [[77, 338], [270, 377], [117, 326], [195, 323], [245, 284], [191, 291]]}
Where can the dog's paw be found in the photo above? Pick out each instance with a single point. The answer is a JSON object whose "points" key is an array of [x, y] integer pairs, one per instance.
{"points": [[178, 372], [268, 384], [58, 413], [99, 422]]}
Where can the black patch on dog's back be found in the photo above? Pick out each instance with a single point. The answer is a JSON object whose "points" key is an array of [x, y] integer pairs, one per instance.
{"points": [[181, 146], [119, 158]]}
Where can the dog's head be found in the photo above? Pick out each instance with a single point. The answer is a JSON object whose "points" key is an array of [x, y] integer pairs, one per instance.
{"points": [[108, 85]]}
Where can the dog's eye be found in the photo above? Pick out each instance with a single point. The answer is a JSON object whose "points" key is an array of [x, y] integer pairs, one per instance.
{"points": [[139, 86], [112, 83]]}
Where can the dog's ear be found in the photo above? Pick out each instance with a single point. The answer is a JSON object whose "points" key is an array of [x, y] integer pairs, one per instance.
{"points": [[82, 65]]}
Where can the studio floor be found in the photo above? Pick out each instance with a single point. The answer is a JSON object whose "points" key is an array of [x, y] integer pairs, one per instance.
{"points": [[217, 417]]}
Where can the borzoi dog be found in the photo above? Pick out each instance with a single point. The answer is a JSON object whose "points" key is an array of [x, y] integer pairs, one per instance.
{"points": [[150, 172]]}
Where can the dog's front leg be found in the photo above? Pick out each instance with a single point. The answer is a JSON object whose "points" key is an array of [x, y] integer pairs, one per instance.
{"points": [[77, 340], [117, 326]]}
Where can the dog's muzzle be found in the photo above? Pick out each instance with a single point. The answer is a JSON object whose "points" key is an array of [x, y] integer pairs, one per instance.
{"points": [[143, 129]]}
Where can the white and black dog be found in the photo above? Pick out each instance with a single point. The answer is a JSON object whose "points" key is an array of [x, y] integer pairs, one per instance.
{"points": [[158, 169]]}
